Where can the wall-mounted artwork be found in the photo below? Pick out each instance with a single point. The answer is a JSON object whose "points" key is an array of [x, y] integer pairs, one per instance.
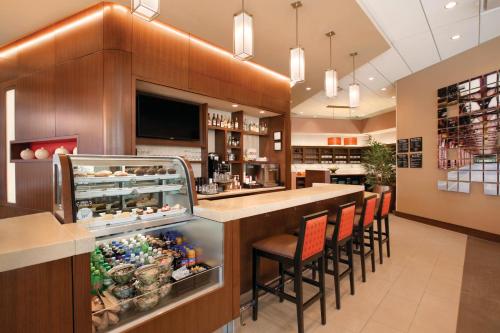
{"points": [[468, 128]]}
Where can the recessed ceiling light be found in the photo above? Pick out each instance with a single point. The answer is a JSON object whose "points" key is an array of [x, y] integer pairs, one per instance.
{"points": [[308, 88], [393, 97], [384, 89], [235, 105], [455, 37], [261, 112], [450, 5], [301, 112], [371, 78]]}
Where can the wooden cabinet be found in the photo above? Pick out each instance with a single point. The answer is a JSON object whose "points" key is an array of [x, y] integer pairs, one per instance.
{"points": [[86, 39], [35, 115], [159, 55], [79, 102], [117, 109]]}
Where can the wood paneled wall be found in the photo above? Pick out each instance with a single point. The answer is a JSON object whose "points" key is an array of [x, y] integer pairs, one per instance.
{"points": [[37, 298], [81, 81]]}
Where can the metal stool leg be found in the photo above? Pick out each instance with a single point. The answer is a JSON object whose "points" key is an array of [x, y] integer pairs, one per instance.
{"points": [[255, 291], [372, 248], [299, 299], [388, 239], [380, 242]]}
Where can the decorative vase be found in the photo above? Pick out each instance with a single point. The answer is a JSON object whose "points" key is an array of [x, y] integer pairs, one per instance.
{"points": [[42, 153], [27, 154], [61, 150], [75, 151]]}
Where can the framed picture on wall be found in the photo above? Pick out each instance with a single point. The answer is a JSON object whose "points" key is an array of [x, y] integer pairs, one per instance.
{"points": [[277, 145], [277, 136]]}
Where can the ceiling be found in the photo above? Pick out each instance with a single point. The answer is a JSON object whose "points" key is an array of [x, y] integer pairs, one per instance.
{"points": [[212, 20], [394, 38], [420, 31]]}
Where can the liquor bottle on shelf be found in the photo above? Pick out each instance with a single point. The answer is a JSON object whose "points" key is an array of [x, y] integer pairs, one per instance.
{"points": [[214, 120], [218, 121], [209, 120], [236, 125]]}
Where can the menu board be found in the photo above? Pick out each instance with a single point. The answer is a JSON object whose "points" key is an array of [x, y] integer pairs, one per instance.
{"points": [[416, 144], [416, 160], [402, 145], [402, 160]]}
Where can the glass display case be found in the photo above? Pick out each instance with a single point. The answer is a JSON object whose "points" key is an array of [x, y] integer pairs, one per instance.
{"points": [[151, 254]]}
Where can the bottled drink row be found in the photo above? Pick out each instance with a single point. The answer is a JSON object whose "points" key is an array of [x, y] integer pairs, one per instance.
{"points": [[217, 120]]}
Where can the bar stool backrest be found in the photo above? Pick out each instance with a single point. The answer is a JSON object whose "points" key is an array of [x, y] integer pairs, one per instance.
{"points": [[385, 204], [368, 212], [345, 216], [312, 235]]}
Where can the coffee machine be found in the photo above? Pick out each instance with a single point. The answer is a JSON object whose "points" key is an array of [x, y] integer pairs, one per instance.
{"points": [[217, 165]]}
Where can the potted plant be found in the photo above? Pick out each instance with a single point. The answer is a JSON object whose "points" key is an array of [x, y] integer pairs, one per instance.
{"points": [[379, 162]]}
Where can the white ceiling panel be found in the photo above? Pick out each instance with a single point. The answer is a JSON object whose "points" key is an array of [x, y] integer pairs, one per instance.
{"points": [[490, 24], [439, 16], [419, 51], [391, 65], [367, 71], [397, 19], [467, 29]]}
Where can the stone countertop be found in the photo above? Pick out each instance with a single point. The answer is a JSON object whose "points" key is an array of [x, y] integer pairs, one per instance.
{"points": [[34, 239], [243, 191], [225, 210]]}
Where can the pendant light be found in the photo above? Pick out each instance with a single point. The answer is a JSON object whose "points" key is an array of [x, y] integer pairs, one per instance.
{"points": [[354, 87], [243, 34], [297, 65], [146, 9], [331, 82]]}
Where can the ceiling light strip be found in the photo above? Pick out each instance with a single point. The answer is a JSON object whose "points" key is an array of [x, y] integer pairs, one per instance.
{"points": [[11, 50]]}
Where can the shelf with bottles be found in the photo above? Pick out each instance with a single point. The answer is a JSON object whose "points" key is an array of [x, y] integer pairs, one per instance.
{"points": [[136, 274], [223, 122]]}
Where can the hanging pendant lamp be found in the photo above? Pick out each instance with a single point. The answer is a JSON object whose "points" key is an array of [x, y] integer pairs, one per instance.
{"points": [[243, 34], [146, 9], [354, 87], [297, 64], [331, 81]]}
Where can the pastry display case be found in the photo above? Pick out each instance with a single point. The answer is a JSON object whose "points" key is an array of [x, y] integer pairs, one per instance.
{"points": [[151, 254]]}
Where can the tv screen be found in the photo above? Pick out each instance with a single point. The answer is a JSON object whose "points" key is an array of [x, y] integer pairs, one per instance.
{"points": [[162, 118]]}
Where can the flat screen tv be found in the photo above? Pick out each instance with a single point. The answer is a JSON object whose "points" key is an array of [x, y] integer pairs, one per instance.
{"points": [[162, 118]]}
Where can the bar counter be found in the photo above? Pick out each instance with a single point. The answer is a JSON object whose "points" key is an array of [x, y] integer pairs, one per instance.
{"points": [[259, 216], [38, 238], [226, 210]]}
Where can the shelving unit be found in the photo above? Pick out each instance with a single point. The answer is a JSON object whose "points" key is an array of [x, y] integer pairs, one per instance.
{"points": [[50, 144], [326, 155]]}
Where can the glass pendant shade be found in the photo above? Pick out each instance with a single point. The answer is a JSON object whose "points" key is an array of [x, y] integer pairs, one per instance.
{"points": [[146, 9], [297, 65], [331, 83], [354, 95], [243, 36]]}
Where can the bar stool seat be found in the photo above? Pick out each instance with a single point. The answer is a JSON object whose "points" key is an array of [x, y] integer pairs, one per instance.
{"points": [[280, 245], [306, 250]]}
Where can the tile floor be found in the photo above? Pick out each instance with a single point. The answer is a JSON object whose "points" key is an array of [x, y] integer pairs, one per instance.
{"points": [[416, 290]]}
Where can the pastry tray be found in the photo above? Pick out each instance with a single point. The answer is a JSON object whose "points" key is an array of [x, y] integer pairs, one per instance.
{"points": [[112, 179], [172, 212], [98, 193]]}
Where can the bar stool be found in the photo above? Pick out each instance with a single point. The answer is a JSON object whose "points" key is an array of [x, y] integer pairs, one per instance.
{"points": [[297, 252], [383, 213], [338, 237], [365, 224]]}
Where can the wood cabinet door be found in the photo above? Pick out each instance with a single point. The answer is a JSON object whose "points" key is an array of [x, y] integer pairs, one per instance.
{"points": [[79, 102], [35, 108]]}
